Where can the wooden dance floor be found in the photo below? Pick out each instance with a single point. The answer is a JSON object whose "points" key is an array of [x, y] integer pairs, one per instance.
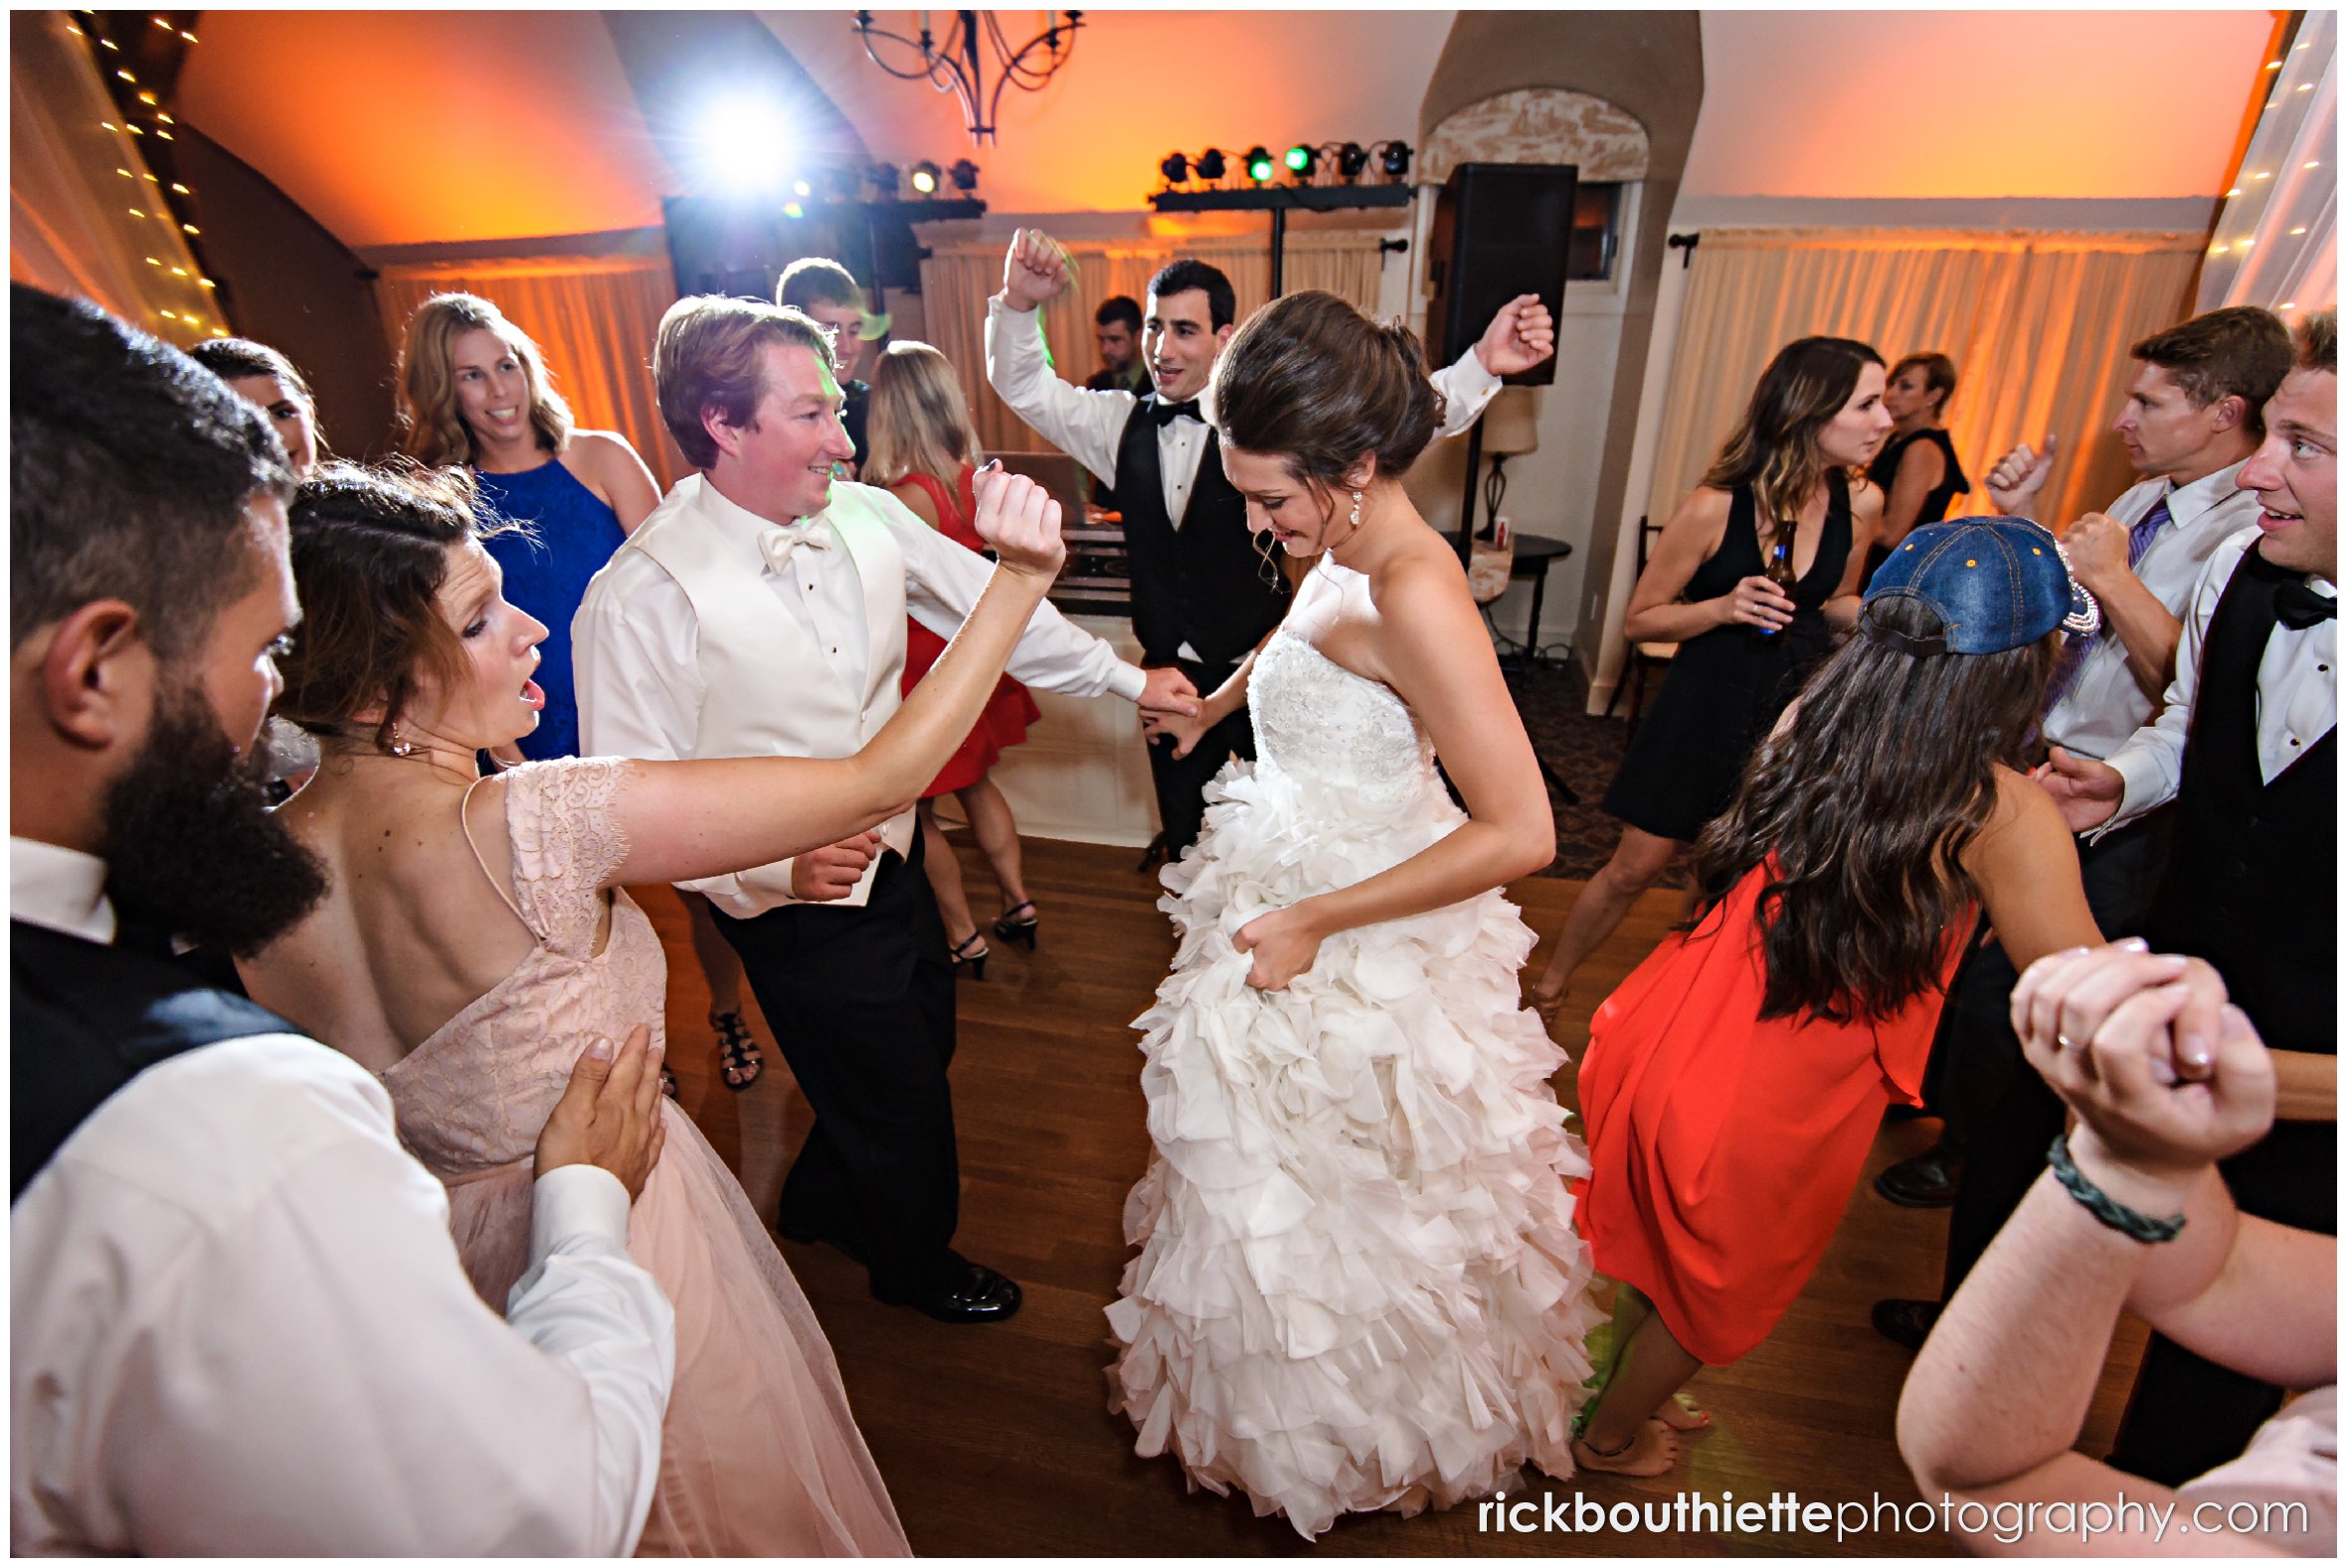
{"points": [[997, 1441]]}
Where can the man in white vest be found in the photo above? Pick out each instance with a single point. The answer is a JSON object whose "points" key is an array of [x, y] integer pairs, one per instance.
{"points": [[761, 611]]}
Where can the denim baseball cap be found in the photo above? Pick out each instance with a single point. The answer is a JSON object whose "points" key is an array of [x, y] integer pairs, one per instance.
{"points": [[1995, 582]]}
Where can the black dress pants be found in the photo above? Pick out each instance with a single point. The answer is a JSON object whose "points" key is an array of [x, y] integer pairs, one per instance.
{"points": [[1181, 782], [1992, 1098], [861, 1003]]}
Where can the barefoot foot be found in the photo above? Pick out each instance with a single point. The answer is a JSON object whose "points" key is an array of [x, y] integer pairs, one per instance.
{"points": [[1682, 1414], [1651, 1451]]}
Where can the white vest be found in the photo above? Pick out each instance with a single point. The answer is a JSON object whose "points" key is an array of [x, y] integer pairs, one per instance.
{"points": [[769, 691]]}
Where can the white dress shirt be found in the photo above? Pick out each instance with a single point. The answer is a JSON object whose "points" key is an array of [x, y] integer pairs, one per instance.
{"points": [[2105, 704], [1088, 425], [2297, 695], [635, 642], [238, 1324]]}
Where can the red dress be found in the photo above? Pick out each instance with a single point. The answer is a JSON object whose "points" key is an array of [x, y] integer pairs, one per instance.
{"points": [[1723, 1145], [1009, 710]]}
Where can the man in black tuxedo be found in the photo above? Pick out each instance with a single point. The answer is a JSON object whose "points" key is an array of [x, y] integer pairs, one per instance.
{"points": [[1203, 594], [2247, 748]]}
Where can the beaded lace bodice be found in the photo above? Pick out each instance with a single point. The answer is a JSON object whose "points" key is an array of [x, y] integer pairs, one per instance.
{"points": [[1323, 724]]}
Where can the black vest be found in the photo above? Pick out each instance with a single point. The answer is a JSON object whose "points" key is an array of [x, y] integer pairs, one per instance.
{"points": [[84, 1019], [2252, 883], [1203, 583]]}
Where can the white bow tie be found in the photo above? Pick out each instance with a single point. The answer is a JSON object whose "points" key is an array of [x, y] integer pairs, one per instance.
{"points": [[776, 544]]}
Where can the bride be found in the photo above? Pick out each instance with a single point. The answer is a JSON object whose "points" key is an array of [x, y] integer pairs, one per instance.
{"points": [[1358, 1284]]}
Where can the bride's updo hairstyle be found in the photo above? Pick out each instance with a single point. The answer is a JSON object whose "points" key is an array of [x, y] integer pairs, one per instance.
{"points": [[370, 550], [1310, 378]]}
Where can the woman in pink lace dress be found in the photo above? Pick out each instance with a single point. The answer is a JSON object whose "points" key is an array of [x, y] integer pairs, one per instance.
{"points": [[476, 940]]}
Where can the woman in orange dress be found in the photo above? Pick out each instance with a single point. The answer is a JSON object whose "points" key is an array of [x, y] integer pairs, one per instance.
{"points": [[1733, 1084], [924, 450]]}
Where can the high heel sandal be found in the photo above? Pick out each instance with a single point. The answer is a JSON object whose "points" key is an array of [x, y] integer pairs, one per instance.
{"points": [[738, 1055], [1010, 930], [975, 963]]}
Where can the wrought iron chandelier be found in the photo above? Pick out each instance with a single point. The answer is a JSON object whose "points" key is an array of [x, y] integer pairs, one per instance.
{"points": [[956, 65]]}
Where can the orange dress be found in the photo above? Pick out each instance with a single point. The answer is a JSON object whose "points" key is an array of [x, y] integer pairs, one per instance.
{"points": [[1009, 712], [1723, 1145]]}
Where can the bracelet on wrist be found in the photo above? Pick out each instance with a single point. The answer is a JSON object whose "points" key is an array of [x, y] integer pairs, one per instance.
{"points": [[2126, 1221]]}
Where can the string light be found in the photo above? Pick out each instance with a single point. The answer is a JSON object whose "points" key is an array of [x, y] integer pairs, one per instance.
{"points": [[128, 77], [151, 261], [179, 271], [191, 229], [127, 174], [206, 283], [2301, 228], [178, 189], [2274, 64], [107, 124], [190, 36], [110, 43], [165, 25], [148, 98], [135, 213], [2305, 87], [2311, 163]]}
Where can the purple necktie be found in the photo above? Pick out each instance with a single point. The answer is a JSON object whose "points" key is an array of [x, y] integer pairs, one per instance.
{"points": [[2073, 652]]}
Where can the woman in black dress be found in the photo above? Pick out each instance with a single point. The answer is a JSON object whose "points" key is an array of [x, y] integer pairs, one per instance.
{"points": [[1784, 480], [1916, 469]]}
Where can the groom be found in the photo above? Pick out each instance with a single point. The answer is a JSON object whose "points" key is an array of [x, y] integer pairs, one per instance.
{"points": [[760, 610], [1201, 595]]}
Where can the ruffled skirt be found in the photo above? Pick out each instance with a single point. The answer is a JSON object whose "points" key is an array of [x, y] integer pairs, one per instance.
{"points": [[1359, 1284]]}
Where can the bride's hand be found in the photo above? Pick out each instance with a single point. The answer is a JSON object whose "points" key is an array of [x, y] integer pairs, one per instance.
{"points": [[1284, 943], [1184, 730], [1019, 518]]}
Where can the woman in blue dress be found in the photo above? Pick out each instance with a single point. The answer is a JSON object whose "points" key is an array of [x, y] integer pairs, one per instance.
{"points": [[474, 390]]}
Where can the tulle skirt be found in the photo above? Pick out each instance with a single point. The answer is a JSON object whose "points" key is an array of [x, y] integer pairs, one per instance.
{"points": [[1359, 1284]]}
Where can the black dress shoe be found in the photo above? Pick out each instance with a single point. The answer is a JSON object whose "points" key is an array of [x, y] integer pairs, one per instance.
{"points": [[1930, 1181], [1905, 1321], [1153, 856], [968, 1292]]}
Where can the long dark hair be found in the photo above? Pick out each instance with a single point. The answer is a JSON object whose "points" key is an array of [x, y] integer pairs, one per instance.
{"points": [[1773, 448], [1863, 805]]}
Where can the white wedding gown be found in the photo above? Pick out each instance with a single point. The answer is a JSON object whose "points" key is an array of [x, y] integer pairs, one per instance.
{"points": [[1358, 1284]]}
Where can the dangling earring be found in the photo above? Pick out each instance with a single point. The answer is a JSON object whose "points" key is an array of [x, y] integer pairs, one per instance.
{"points": [[401, 746], [1354, 519]]}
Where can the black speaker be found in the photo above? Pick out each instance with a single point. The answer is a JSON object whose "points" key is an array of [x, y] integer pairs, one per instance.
{"points": [[1500, 230]]}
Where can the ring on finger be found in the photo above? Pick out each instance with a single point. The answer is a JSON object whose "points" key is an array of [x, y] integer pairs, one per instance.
{"points": [[2066, 1043]]}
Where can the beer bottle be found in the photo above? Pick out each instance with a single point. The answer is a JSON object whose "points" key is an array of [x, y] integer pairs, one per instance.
{"points": [[1778, 569]]}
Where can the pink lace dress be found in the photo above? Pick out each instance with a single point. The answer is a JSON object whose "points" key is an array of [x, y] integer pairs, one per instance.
{"points": [[760, 1455]]}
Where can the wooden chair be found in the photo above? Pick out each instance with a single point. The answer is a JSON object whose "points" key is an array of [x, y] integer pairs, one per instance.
{"points": [[1645, 657]]}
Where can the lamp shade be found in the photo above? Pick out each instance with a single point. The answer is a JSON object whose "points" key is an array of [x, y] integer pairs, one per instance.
{"points": [[1512, 425]]}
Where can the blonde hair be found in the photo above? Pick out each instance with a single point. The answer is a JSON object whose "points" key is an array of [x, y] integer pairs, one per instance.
{"points": [[711, 355], [431, 430], [918, 420]]}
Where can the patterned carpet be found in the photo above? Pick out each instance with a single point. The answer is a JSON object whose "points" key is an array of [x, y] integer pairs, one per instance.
{"points": [[1583, 752]]}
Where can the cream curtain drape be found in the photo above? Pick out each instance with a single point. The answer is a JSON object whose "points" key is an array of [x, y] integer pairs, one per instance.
{"points": [[84, 215], [595, 318], [959, 275], [2277, 236], [2039, 325]]}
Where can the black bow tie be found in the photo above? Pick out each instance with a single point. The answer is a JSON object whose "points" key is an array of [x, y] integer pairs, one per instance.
{"points": [[2298, 607], [1167, 412]]}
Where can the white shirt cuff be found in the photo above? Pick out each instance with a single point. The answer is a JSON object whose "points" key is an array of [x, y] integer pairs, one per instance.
{"points": [[575, 1201], [1128, 681], [2143, 787], [1470, 380]]}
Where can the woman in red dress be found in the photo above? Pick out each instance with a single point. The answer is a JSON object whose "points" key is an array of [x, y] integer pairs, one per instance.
{"points": [[924, 451], [1733, 1084]]}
